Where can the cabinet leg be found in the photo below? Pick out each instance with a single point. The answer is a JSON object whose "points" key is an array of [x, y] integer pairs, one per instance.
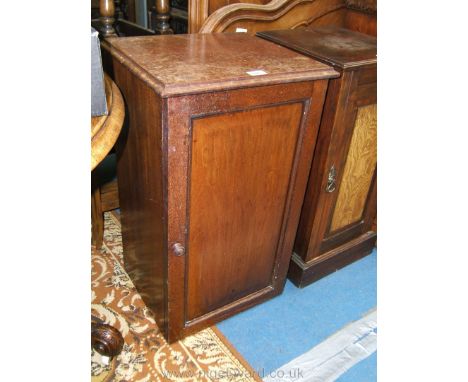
{"points": [[97, 219]]}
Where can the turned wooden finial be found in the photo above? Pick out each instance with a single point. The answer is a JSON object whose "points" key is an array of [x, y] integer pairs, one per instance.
{"points": [[107, 10], [106, 339], [163, 14]]}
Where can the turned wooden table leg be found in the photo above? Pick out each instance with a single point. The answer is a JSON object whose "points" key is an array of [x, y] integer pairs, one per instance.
{"points": [[107, 10], [106, 339]]}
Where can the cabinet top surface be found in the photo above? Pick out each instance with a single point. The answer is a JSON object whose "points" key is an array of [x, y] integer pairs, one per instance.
{"points": [[183, 64], [336, 46]]}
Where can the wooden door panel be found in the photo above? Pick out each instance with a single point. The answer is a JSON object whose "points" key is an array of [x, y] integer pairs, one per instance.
{"points": [[358, 171], [231, 220]]}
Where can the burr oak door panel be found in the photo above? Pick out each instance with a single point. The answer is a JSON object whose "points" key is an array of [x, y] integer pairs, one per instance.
{"points": [[240, 171], [358, 171]]}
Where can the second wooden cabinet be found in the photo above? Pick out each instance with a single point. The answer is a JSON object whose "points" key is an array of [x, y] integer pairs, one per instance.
{"points": [[337, 220]]}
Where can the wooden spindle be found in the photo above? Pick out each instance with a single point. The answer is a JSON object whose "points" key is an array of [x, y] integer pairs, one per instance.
{"points": [[107, 10], [163, 14], [120, 9]]}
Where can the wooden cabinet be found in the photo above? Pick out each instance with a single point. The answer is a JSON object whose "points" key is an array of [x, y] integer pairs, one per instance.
{"points": [[336, 224], [213, 169]]}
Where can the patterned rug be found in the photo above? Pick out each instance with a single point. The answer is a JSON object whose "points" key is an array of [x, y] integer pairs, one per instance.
{"points": [[146, 356]]}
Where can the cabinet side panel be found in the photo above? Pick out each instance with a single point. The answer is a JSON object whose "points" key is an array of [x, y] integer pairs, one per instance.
{"points": [[141, 181], [358, 171], [241, 164]]}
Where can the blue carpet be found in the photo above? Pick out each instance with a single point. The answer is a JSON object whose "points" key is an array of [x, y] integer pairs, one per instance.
{"points": [[279, 330], [364, 371]]}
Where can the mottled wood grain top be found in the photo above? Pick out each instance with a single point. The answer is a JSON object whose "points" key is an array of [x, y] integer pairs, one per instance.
{"points": [[182, 64], [336, 46]]}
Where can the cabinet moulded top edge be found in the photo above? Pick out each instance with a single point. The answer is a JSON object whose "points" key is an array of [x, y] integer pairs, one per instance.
{"points": [[189, 64]]}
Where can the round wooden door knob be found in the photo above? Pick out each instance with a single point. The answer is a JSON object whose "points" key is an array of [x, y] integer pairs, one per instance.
{"points": [[106, 340]]}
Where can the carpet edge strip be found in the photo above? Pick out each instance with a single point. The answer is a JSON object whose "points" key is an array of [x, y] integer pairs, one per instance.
{"points": [[334, 356]]}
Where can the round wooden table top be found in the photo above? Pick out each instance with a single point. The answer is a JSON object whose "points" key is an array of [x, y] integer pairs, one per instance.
{"points": [[106, 129]]}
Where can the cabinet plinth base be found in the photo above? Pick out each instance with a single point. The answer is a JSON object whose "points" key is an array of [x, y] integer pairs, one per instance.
{"points": [[303, 274]]}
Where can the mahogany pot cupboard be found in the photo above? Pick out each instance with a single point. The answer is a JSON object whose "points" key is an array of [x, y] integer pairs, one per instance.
{"points": [[336, 224], [212, 169]]}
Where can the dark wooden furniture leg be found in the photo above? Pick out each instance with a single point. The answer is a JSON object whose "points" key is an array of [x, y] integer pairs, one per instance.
{"points": [[104, 198], [97, 218], [106, 339]]}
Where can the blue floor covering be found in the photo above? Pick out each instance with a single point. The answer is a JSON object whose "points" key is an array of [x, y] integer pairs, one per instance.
{"points": [[279, 330]]}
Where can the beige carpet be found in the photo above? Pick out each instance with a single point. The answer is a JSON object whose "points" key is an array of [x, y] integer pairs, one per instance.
{"points": [[146, 356]]}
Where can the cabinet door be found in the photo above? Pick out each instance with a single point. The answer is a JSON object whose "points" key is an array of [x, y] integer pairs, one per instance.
{"points": [[246, 167], [344, 200]]}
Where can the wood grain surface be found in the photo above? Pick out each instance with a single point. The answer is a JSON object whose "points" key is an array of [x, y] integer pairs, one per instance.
{"points": [[252, 16], [333, 45], [322, 245], [141, 192], [238, 196], [359, 169], [361, 22], [181, 112], [277, 14], [106, 129], [185, 64]]}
